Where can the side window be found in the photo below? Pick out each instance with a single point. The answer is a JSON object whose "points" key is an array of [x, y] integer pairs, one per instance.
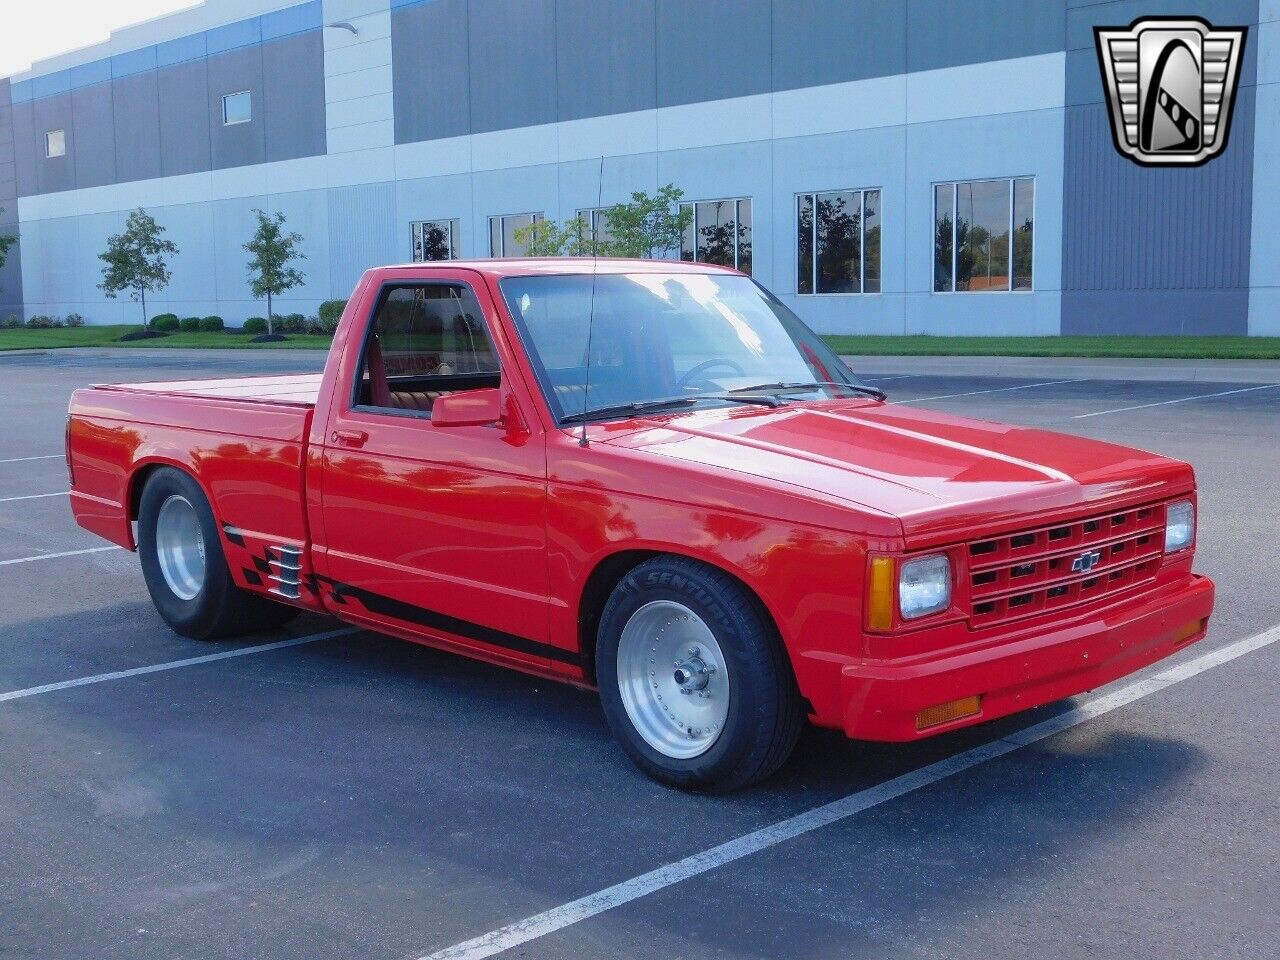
{"points": [[425, 341]]}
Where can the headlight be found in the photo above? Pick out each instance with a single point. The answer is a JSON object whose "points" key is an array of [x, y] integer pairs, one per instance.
{"points": [[1179, 525], [924, 586]]}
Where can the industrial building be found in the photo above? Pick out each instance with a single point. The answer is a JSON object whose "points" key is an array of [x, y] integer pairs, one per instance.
{"points": [[931, 166]]}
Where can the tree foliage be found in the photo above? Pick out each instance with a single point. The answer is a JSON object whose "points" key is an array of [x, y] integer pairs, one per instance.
{"points": [[7, 240], [136, 260], [273, 252], [647, 226], [546, 238]]}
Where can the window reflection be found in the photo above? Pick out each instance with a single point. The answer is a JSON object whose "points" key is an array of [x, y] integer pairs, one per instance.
{"points": [[720, 232], [838, 242], [943, 231], [1023, 228], [435, 240], [983, 235], [502, 234]]}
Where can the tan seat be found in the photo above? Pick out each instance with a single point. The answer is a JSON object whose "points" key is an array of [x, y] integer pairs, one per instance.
{"points": [[421, 400]]}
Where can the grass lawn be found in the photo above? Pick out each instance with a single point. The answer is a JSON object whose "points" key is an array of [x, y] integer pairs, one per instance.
{"points": [[109, 336], [1186, 348]]}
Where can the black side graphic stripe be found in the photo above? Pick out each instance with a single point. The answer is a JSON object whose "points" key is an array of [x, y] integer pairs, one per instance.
{"points": [[434, 620]]}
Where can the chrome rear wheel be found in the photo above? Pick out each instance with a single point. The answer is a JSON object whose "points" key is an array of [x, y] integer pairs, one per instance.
{"points": [[180, 547], [673, 679]]}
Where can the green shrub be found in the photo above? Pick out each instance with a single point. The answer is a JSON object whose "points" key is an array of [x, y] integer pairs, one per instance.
{"points": [[166, 323], [189, 324], [11, 322], [315, 327], [41, 322], [212, 325], [331, 313], [75, 320], [291, 323], [255, 325]]}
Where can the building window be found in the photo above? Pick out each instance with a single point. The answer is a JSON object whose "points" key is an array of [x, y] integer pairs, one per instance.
{"points": [[237, 108], [502, 234], [597, 232], [435, 240], [719, 233], [838, 242], [973, 221], [55, 143]]}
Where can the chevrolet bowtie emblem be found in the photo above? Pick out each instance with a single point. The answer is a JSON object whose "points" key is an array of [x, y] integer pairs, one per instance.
{"points": [[1171, 84], [1086, 561]]}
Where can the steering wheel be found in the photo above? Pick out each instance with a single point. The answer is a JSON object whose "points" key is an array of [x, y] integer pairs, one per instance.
{"points": [[706, 365]]}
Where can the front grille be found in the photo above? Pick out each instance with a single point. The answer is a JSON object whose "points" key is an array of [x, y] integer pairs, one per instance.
{"points": [[1031, 571]]}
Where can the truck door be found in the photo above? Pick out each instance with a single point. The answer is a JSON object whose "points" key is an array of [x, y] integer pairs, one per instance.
{"points": [[435, 531]]}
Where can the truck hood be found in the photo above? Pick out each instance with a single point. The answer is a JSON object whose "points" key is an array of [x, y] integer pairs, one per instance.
{"points": [[944, 477]]}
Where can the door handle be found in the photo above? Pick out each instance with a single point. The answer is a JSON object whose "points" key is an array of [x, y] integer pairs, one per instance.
{"points": [[349, 438]]}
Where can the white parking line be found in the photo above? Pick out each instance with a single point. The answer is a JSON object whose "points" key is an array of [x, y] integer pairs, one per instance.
{"points": [[51, 456], [171, 665], [974, 393], [1161, 403], [557, 918], [54, 556], [34, 496]]}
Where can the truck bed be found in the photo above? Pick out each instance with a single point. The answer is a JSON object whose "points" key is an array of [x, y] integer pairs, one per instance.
{"points": [[300, 389], [243, 439]]}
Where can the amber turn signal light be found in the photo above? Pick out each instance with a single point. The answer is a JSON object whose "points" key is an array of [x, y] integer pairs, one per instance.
{"points": [[880, 594], [1189, 630], [946, 712]]}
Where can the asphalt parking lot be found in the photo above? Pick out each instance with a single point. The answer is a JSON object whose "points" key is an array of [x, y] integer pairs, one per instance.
{"points": [[358, 796]]}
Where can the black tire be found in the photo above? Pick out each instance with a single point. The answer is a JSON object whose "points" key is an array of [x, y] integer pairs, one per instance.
{"points": [[220, 608], [765, 713]]}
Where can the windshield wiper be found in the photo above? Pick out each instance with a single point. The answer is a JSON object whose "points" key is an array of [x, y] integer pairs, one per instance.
{"points": [[652, 406], [817, 384]]}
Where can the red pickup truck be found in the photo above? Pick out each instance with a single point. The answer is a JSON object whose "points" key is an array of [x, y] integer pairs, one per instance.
{"points": [[650, 478]]}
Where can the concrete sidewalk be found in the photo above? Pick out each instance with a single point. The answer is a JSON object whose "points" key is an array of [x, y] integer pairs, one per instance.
{"points": [[1067, 368]]}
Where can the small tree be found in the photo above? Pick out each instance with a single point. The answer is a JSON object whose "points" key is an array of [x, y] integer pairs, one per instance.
{"points": [[6, 241], [273, 250], [135, 260], [648, 226], [546, 238]]}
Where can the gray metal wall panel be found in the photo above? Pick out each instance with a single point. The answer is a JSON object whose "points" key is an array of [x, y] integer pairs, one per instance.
{"points": [[184, 118], [135, 101], [240, 144], [11, 271], [512, 48], [1155, 250], [293, 85], [54, 173], [1144, 250], [948, 33], [712, 49], [832, 41], [606, 57], [24, 138], [429, 64], [94, 129]]}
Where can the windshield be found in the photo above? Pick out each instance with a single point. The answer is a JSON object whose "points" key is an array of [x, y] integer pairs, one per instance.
{"points": [[663, 336]]}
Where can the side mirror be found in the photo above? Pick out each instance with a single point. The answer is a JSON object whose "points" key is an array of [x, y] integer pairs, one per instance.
{"points": [[469, 408]]}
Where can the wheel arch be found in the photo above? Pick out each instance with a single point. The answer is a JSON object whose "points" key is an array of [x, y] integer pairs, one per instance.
{"points": [[608, 573], [143, 470]]}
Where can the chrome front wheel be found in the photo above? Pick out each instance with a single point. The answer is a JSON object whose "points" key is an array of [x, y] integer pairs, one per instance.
{"points": [[673, 679], [180, 547]]}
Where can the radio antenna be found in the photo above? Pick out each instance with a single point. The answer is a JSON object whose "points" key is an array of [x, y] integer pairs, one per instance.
{"points": [[591, 315]]}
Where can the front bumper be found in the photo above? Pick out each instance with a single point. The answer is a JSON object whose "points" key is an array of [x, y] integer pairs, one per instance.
{"points": [[883, 698]]}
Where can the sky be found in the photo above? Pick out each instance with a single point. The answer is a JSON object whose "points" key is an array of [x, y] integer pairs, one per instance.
{"points": [[36, 30]]}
